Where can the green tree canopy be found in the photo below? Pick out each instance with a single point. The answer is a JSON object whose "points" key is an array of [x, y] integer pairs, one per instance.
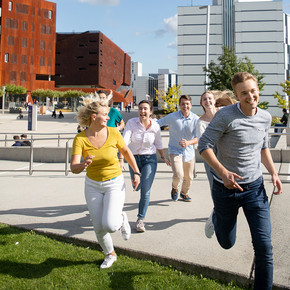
{"points": [[14, 90], [220, 74]]}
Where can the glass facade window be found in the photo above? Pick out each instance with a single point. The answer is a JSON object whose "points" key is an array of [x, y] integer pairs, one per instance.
{"points": [[6, 57], [10, 5]]}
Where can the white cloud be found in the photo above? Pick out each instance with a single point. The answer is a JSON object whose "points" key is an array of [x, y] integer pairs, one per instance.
{"points": [[101, 2], [172, 45], [171, 24]]}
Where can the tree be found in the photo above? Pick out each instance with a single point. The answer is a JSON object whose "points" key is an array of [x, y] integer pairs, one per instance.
{"points": [[283, 101], [169, 100], [15, 90], [220, 74]]}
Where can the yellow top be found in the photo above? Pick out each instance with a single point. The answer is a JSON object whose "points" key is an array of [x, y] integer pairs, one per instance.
{"points": [[105, 164]]}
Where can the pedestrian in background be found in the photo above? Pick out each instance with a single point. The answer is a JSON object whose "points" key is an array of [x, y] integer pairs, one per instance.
{"points": [[116, 119]]}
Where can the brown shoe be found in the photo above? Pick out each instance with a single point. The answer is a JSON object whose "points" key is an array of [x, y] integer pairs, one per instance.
{"points": [[185, 197], [174, 194]]}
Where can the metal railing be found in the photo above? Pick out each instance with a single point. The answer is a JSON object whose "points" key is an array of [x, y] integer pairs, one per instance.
{"points": [[31, 169], [32, 137], [67, 140]]}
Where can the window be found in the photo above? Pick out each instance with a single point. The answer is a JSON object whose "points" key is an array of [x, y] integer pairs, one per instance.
{"points": [[42, 44], [24, 42], [32, 43], [49, 46], [23, 59], [11, 40], [22, 8], [31, 59], [11, 23], [13, 76], [23, 76], [32, 27], [6, 57], [48, 14], [13, 58], [42, 61], [24, 25], [114, 82], [10, 6]]}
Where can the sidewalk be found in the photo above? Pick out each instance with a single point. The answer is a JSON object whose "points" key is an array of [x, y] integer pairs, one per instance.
{"points": [[54, 203]]}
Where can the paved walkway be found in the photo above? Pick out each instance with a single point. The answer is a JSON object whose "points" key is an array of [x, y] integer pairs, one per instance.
{"points": [[54, 203]]}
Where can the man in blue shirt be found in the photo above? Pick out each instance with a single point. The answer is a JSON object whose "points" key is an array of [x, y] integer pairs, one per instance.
{"points": [[182, 137]]}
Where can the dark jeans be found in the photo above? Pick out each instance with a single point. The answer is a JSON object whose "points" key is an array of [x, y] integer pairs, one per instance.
{"points": [[279, 125], [254, 202], [147, 165]]}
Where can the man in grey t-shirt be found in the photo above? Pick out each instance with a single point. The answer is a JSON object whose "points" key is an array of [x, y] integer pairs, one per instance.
{"points": [[240, 134]]}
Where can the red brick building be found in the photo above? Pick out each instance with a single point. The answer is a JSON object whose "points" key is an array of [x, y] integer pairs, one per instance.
{"points": [[90, 60], [27, 52]]}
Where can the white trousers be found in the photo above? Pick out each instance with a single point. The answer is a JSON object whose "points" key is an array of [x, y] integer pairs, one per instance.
{"points": [[105, 201]]}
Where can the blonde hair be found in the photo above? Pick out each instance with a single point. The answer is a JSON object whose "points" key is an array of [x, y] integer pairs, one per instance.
{"points": [[85, 112], [224, 98]]}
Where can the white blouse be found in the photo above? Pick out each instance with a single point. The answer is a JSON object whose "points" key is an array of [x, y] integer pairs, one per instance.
{"points": [[200, 127], [140, 140]]}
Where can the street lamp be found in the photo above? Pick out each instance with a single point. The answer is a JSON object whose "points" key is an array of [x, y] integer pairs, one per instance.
{"points": [[207, 41]]}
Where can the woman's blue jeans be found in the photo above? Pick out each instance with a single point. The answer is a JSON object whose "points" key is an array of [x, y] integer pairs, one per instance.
{"points": [[254, 202], [147, 165]]}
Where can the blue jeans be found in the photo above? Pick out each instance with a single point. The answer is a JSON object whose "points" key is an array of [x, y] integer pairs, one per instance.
{"points": [[254, 202], [147, 165], [279, 125]]}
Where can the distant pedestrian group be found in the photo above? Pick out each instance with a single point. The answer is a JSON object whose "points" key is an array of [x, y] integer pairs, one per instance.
{"points": [[21, 141]]}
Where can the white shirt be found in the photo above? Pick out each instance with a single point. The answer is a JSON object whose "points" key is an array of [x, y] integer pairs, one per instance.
{"points": [[200, 127], [140, 140]]}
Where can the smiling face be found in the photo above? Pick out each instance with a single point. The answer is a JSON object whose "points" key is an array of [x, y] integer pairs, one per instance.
{"points": [[144, 111], [207, 101], [247, 93], [185, 107], [101, 118]]}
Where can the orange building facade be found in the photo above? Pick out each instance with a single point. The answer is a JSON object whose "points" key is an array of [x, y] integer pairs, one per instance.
{"points": [[27, 43]]}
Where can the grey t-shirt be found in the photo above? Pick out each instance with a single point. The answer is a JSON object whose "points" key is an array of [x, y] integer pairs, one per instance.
{"points": [[239, 140]]}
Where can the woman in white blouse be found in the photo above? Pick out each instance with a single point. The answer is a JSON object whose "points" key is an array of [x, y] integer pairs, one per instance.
{"points": [[142, 135]]}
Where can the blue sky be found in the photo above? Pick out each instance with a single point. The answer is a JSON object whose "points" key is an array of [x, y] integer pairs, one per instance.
{"points": [[145, 29]]}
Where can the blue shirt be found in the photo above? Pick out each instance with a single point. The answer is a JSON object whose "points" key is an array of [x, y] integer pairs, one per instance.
{"points": [[180, 128]]}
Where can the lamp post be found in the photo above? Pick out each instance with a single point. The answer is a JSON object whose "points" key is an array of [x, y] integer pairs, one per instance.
{"points": [[207, 41]]}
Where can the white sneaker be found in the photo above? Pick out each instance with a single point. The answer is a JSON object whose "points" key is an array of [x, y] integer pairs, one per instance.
{"points": [[108, 262], [140, 227], [125, 228], [209, 227]]}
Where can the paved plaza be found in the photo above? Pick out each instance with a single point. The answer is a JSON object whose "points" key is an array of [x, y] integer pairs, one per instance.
{"points": [[54, 203]]}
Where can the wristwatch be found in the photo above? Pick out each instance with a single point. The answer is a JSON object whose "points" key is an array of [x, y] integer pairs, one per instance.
{"points": [[137, 173]]}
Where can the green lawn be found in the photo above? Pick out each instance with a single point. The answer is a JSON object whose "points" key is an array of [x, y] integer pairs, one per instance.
{"points": [[32, 261]]}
